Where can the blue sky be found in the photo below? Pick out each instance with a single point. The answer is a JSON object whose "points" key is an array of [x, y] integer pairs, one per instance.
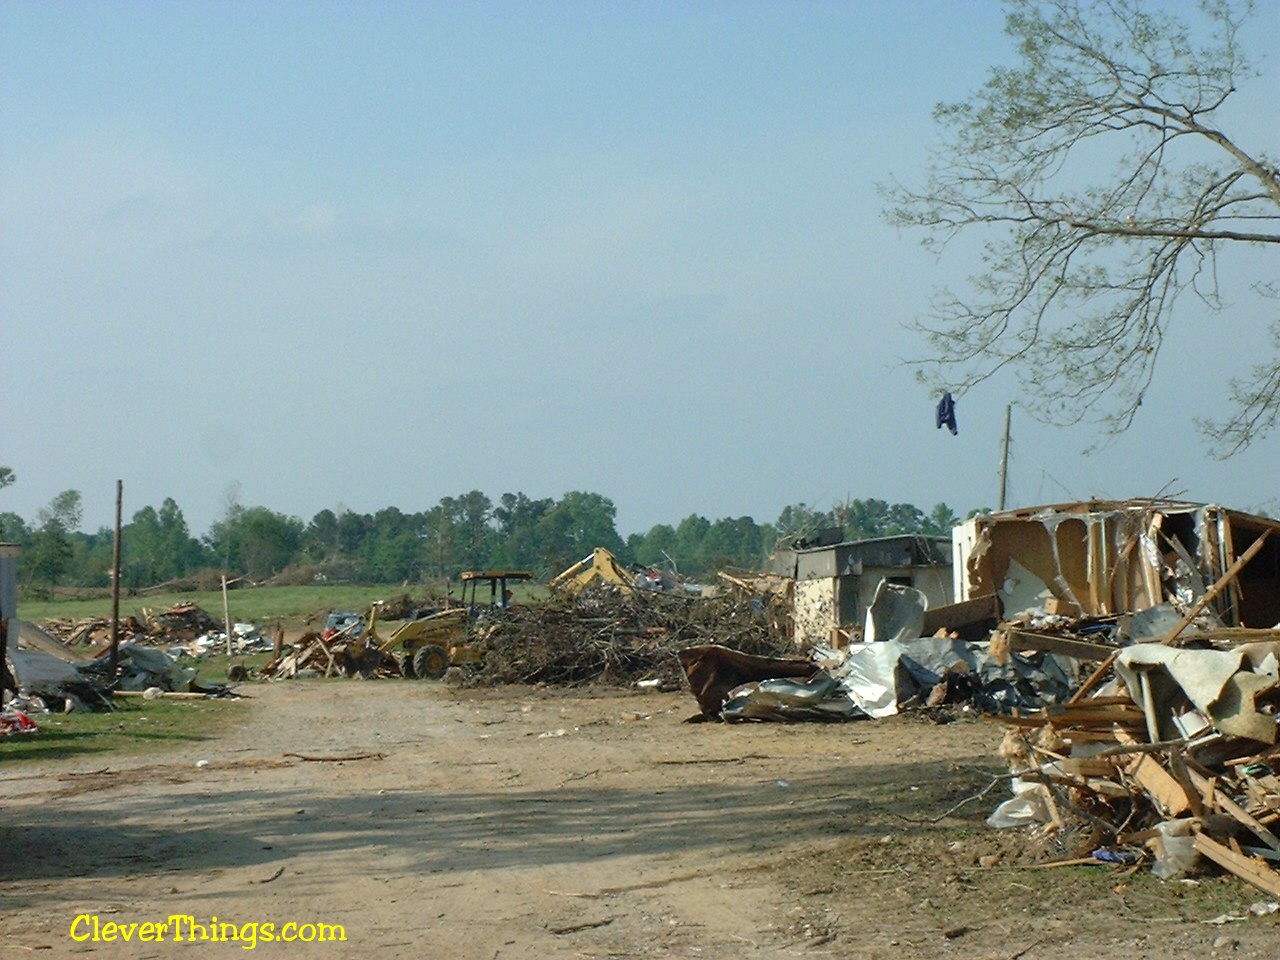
{"points": [[371, 254]]}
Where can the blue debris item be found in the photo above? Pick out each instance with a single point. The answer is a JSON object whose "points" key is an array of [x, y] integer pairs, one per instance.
{"points": [[947, 413], [1107, 855]]}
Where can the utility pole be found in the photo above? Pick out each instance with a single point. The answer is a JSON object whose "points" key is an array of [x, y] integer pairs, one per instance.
{"points": [[1004, 456], [115, 588]]}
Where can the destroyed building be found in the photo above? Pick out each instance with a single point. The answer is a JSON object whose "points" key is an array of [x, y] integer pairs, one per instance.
{"points": [[1109, 557], [835, 583]]}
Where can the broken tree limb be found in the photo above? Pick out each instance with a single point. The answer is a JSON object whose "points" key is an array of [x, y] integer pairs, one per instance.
{"points": [[575, 927], [967, 800], [338, 759]]}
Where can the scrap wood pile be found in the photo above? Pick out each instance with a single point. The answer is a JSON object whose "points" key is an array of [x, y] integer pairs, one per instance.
{"points": [[93, 631], [620, 638], [185, 621], [1173, 761], [180, 623], [341, 655]]}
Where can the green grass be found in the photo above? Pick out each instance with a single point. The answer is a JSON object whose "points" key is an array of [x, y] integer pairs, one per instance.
{"points": [[213, 669], [137, 726], [258, 605]]}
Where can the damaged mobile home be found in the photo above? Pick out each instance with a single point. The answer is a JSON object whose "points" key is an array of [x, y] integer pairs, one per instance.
{"points": [[1111, 557], [1167, 752]]}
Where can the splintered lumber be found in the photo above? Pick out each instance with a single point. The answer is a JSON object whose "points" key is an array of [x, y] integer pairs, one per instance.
{"points": [[1246, 868], [331, 667], [954, 616], [1220, 801], [1024, 640], [1164, 790], [1090, 767], [1161, 786], [1066, 718], [1223, 582], [1211, 594]]}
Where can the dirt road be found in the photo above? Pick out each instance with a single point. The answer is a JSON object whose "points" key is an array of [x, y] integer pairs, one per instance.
{"points": [[526, 824]]}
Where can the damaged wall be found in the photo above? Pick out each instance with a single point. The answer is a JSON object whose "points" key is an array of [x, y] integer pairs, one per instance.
{"points": [[835, 584], [933, 582], [1099, 558], [814, 611]]}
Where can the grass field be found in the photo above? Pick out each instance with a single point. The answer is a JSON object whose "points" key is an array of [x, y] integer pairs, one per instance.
{"points": [[136, 726], [213, 669], [296, 607]]}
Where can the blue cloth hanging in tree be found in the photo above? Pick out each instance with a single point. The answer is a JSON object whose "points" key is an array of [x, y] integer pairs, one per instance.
{"points": [[947, 413]]}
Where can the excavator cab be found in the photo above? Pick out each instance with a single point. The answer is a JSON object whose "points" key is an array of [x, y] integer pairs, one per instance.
{"points": [[485, 593]]}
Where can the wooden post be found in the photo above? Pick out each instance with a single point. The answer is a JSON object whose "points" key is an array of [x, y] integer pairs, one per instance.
{"points": [[115, 588], [226, 613]]}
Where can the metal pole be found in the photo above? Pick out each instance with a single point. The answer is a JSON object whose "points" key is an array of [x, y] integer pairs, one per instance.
{"points": [[115, 587], [1004, 456]]}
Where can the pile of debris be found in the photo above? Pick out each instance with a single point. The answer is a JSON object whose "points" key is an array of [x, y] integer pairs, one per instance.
{"points": [[184, 621], [15, 720], [49, 676], [871, 680], [1176, 758], [620, 638], [93, 631], [899, 666], [186, 628], [598, 635], [341, 655]]}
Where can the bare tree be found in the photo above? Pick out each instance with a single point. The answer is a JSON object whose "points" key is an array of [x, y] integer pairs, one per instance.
{"points": [[1104, 193]]}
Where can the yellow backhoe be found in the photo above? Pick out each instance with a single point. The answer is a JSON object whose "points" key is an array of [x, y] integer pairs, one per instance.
{"points": [[447, 638], [601, 567]]}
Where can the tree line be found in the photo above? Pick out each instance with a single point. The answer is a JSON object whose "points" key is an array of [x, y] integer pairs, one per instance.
{"points": [[469, 531]]}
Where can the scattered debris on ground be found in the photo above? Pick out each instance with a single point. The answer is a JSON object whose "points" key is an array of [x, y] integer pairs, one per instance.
{"points": [[52, 677], [340, 655], [1164, 753], [184, 629], [618, 638], [15, 720]]}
